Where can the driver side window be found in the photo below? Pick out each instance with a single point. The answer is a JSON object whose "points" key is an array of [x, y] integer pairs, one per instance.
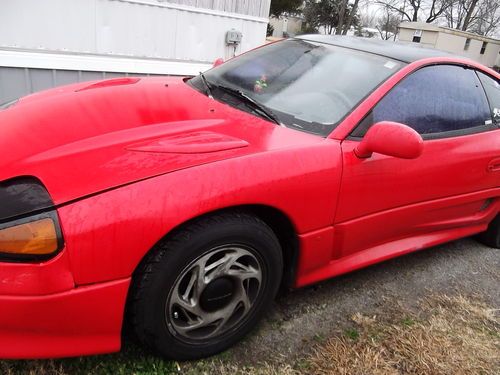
{"points": [[437, 101]]}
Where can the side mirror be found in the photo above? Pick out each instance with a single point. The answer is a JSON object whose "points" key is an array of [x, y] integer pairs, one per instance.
{"points": [[392, 139], [218, 62]]}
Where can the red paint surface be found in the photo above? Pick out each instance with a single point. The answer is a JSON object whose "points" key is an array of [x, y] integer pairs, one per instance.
{"points": [[85, 320], [126, 161], [390, 138]]}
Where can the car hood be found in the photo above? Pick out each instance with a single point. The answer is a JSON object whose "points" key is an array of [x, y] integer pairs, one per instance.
{"points": [[86, 138]]}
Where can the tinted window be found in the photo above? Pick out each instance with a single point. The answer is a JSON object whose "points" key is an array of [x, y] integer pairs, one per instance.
{"points": [[492, 88], [308, 86], [437, 99]]}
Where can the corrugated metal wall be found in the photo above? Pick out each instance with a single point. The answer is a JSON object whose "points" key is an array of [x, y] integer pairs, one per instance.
{"points": [[52, 42], [17, 82], [139, 28], [258, 8]]}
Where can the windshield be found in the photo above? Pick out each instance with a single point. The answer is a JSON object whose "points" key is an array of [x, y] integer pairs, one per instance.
{"points": [[308, 86]]}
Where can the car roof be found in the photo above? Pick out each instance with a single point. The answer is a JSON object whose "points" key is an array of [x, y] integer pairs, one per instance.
{"points": [[405, 52]]}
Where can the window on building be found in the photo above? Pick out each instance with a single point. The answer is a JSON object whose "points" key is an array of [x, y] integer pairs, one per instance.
{"points": [[483, 48], [417, 35], [467, 44], [455, 105]]}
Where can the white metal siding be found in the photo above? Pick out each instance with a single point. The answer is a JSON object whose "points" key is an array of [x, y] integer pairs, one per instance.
{"points": [[258, 8], [138, 28], [51, 42]]}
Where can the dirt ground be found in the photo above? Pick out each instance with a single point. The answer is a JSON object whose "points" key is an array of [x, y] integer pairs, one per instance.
{"points": [[301, 319]]}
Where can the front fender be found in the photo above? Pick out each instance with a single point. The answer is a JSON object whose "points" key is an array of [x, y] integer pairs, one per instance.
{"points": [[108, 234]]}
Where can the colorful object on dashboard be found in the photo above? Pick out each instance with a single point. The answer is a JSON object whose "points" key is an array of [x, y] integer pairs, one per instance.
{"points": [[260, 84]]}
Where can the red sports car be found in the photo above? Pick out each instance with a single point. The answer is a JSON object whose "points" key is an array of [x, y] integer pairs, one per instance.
{"points": [[179, 206]]}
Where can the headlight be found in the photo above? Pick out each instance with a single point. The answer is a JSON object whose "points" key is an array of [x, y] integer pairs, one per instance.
{"points": [[29, 226]]}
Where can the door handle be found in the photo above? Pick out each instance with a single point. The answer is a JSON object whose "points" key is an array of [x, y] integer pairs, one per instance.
{"points": [[494, 165]]}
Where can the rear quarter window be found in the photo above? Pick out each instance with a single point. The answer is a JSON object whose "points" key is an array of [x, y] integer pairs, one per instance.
{"points": [[492, 88]]}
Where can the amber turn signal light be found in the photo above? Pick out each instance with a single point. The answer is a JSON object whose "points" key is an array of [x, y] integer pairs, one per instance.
{"points": [[33, 238]]}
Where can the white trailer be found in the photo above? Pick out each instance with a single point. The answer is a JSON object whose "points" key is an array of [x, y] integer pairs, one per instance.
{"points": [[45, 43]]}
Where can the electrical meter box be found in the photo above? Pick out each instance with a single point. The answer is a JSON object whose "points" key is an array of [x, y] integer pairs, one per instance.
{"points": [[233, 37]]}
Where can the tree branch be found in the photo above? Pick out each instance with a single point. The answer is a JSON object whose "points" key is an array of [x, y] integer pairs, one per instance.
{"points": [[395, 8]]}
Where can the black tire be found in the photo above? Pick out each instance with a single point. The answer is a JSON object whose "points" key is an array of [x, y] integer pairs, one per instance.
{"points": [[158, 322], [491, 237]]}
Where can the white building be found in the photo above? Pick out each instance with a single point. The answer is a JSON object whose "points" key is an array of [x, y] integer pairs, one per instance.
{"points": [[286, 26], [52, 42], [476, 47]]}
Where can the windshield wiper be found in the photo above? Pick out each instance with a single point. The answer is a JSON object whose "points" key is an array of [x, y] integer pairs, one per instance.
{"points": [[207, 85], [252, 102]]}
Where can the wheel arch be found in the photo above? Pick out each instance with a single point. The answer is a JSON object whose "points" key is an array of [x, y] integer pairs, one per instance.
{"points": [[279, 222]]}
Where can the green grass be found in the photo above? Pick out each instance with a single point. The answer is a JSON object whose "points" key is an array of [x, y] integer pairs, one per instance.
{"points": [[408, 322], [352, 333], [319, 338], [131, 360]]}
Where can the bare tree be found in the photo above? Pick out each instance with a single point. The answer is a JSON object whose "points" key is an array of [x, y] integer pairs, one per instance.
{"points": [[437, 9], [487, 18], [368, 16], [387, 24], [352, 12], [342, 11], [408, 9], [414, 10], [469, 14], [461, 13], [478, 16], [455, 14]]}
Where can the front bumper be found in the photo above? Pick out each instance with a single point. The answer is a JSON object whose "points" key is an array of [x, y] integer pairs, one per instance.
{"points": [[79, 321]]}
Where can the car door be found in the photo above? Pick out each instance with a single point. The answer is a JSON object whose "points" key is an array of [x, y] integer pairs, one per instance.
{"points": [[445, 193]]}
